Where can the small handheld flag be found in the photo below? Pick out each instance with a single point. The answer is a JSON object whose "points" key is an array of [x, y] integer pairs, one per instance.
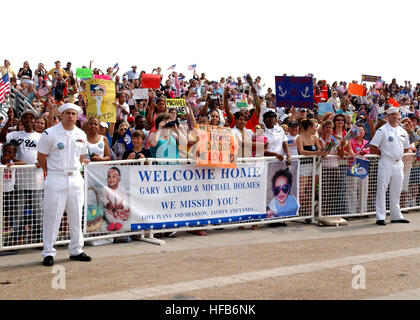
{"points": [[359, 168]]}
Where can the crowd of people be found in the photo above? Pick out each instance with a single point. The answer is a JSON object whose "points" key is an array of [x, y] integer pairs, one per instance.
{"points": [[159, 131]]}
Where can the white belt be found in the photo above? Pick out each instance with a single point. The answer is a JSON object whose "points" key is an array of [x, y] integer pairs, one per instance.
{"points": [[65, 172]]}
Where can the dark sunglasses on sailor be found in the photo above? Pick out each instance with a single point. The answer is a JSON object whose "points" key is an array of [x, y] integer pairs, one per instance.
{"points": [[285, 188]]}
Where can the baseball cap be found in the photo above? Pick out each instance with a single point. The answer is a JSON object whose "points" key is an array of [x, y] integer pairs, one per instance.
{"points": [[269, 114], [58, 61], [104, 124], [412, 116], [293, 124], [130, 119]]}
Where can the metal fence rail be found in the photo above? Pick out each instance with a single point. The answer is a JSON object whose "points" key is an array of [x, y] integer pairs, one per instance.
{"points": [[346, 196], [325, 190]]}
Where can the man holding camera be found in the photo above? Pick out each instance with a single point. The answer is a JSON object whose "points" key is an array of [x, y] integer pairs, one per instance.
{"points": [[53, 71]]}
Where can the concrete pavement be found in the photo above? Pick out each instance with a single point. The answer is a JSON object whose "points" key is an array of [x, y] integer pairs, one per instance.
{"points": [[299, 261]]}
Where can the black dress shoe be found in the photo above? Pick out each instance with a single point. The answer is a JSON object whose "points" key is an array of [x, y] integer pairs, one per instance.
{"points": [[380, 222], [400, 221], [81, 257], [48, 261]]}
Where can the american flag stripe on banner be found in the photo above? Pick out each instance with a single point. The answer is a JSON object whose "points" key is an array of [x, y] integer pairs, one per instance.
{"points": [[4, 87]]}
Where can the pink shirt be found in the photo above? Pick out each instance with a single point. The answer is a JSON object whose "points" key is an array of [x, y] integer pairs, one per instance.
{"points": [[356, 147]]}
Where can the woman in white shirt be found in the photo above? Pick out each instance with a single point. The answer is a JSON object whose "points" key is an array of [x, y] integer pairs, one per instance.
{"points": [[97, 144], [243, 135]]}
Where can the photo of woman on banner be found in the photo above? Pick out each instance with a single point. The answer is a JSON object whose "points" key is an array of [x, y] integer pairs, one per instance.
{"points": [[283, 204]]}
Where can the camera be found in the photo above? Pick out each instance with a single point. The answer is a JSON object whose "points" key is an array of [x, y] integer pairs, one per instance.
{"points": [[171, 124]]}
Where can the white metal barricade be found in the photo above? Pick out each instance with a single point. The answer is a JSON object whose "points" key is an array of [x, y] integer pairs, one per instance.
{"points": [[21, 217], [347, 196], [325, 190]]}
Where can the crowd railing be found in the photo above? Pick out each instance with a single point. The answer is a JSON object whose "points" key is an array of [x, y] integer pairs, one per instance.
{"points": [[321, 187]]}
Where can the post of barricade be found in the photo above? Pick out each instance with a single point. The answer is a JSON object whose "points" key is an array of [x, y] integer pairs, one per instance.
{"points": [[314, 169], [1, 206], [363, 198], [315, 165]]}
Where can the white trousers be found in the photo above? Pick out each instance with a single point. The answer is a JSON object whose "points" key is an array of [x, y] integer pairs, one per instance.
{"points": [[62, 192], [390, 173], [357, 194]]}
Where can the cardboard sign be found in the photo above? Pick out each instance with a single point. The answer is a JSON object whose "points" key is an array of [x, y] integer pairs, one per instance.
{"points": [[101, 76], [43, 91], [294, 91], [101, 99], [324, 108], [140, 94], [178, 104], [216, 146], [357, 90], [241, 100], [370, 78], [393, 102], [84, 73], [150, 81]]}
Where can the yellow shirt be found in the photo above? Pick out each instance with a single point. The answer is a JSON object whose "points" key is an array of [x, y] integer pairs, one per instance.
{"points": [[61, 71], [4, 70]]}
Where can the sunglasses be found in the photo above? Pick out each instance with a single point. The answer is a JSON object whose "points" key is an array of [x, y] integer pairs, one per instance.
{"points": [[285, 188]]}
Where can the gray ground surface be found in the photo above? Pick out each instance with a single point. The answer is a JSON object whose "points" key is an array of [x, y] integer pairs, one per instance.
{"points": [[299, 261]]}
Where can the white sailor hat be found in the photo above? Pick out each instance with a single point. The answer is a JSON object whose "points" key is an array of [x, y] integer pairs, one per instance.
{"points": [[393, 110], [73, 106]]}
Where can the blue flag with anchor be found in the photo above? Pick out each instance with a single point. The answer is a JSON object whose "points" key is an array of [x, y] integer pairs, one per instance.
{"points": [[126, 139], [359, 168], [294, 91]]}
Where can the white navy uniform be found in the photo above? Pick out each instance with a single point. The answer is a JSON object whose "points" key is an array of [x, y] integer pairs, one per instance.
{"points": [[64, 186], [391, 142]]}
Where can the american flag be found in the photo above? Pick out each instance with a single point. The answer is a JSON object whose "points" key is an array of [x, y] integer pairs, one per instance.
{"points": [[172, 67], [116, 66], [4, 87], [192, 67]]}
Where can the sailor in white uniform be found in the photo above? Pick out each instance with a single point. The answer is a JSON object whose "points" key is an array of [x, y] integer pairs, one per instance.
{"points": [[61, 151], [390, 142]]}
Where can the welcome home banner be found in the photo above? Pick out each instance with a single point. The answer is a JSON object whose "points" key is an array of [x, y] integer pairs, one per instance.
{"points": [[294, 91], [139, 197]]}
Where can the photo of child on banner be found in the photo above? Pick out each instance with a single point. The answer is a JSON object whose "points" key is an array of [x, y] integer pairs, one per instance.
{"points": [[108, 206], [282, 190]]}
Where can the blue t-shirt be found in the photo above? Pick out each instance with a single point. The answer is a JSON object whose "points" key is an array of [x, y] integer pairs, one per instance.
{"points": [[290, 207], [165, 149]]}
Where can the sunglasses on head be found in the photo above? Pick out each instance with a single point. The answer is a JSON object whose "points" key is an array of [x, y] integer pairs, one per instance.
{"points": [[285, 188]]}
